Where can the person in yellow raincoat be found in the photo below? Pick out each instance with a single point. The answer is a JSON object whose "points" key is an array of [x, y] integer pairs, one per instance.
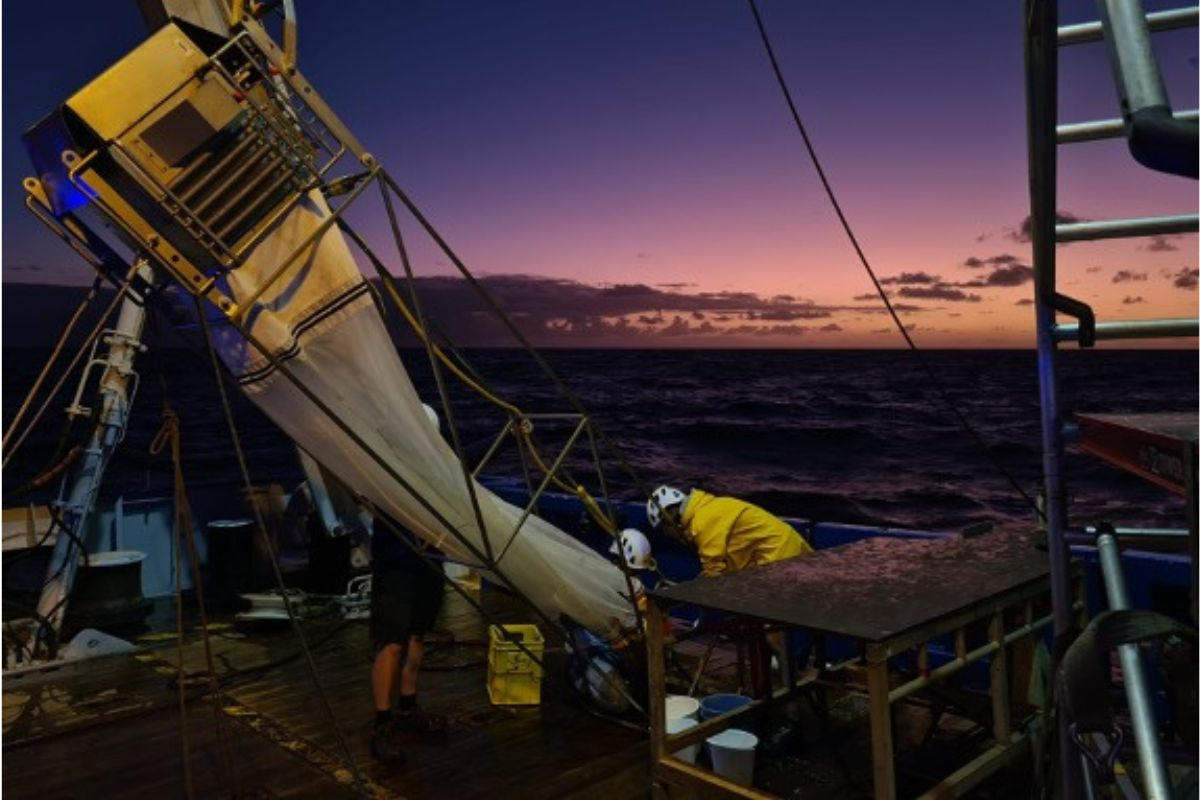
{"points": [[728, 534]]}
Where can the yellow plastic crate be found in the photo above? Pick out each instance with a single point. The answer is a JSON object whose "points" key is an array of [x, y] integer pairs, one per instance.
{"points": [[514, 679]]}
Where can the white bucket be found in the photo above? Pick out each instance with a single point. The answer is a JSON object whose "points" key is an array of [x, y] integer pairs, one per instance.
{"points": [[679, 725], [732, 754], [680, 706]]}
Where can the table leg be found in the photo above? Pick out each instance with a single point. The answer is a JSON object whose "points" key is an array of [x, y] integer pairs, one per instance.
{"points": [[1001, 715], [656, 661], [881, 727]]}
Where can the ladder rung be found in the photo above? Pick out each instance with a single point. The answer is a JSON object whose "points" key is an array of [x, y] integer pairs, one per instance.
{"points": [[1156, 21], [1133, 329], [1122, 228], [1106, 128]]}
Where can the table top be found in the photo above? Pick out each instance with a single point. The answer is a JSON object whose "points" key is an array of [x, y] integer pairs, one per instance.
{"points": [[873, 589]]}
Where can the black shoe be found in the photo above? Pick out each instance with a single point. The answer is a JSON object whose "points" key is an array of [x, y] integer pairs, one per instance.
{"points": [[385, 745], [414, 720], [784, 740]]}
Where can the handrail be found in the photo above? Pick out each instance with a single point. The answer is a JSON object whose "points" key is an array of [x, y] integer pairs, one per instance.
{"points": [[1133, 329], [1123, 228], [1106, 128], [1156, 21]]}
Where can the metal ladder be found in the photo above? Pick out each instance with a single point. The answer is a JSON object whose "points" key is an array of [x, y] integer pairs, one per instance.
{"points": [[1158, 139]]}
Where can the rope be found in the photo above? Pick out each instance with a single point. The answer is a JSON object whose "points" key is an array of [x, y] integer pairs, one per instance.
{"points": [[562, 387], [359, 781], [937, 384], [169, 435], [170, 430], [54, 354], [523, 430], [85, 347]]}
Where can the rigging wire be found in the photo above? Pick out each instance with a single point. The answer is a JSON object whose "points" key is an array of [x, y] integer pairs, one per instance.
{"points": [[524, 432], [169, 436], [359, 781], [54, 354], [84, 347], [862, 257]]}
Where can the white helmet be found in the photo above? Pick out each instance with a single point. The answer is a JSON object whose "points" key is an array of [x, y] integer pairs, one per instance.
{"points": [[663, 497], [636, 548]]}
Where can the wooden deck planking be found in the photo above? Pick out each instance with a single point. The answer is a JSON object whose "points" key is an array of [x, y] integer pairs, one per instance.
{"points": [[127, 743]]}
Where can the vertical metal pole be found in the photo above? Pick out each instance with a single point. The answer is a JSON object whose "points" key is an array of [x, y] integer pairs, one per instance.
{"points": [[1135, 69], [1193, 523], [115, 395], [881, 725], [1041, 89], [1145, 730]]}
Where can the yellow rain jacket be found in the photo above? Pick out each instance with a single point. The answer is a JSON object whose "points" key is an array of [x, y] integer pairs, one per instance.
{"points": [[731, 534]]}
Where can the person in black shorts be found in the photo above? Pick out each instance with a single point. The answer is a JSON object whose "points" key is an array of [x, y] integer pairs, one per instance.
{"points": [[406, 596]]}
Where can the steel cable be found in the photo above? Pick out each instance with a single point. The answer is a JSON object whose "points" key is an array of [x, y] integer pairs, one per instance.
{"points": [[862, 257]]}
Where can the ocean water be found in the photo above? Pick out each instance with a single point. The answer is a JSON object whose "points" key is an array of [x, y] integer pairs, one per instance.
{"points": [[847, 436]]}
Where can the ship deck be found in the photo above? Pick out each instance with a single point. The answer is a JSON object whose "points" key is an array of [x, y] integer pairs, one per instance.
{"points": [[112, 726]]}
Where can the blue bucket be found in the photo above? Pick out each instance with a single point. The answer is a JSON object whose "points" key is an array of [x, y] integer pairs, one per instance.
{"points": [[717, 704]]}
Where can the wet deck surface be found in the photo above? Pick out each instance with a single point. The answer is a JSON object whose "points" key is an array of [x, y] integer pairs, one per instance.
{"points": [[875, 588], [111, 727]]}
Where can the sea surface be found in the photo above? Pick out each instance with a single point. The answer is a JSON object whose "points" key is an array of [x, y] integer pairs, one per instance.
{"points": [[849, 436]]}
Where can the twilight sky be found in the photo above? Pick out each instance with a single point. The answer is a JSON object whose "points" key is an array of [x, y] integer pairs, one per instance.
{"points": [[626, 172]]}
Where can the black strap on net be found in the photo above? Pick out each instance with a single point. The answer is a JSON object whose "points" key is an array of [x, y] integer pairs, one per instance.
{"points": [[1084, 684]]}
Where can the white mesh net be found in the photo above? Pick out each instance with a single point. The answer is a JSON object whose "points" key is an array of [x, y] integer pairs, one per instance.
{"points": [[324, 324]]}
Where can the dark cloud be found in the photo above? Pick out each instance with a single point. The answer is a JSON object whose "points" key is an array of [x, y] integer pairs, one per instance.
{"points": [[629, 290], [789, 314], [863, 298], [1093, 270], [1024, 231], [1187, 278], [911, 279], [641, 256], [1024, 301], [675, 286], [678, 327], [975, 262], [741, 298], [1161, 244], [1125, 276], [782, 330], [1011, 275], [1132, 300], [558, 312], [939, 293]]}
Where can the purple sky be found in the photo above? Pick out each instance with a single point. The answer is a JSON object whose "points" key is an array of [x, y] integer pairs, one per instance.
{"points": [[634, 161]]}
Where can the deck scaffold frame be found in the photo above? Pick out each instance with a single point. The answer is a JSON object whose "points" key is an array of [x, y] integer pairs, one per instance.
{"points": [[1159, 139]]}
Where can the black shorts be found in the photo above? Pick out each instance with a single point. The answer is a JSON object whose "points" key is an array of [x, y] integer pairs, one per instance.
{"points": [[404, 602]]}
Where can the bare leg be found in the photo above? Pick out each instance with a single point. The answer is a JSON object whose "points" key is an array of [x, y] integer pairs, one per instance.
{"points": [[383, 676], [414, 653]]}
